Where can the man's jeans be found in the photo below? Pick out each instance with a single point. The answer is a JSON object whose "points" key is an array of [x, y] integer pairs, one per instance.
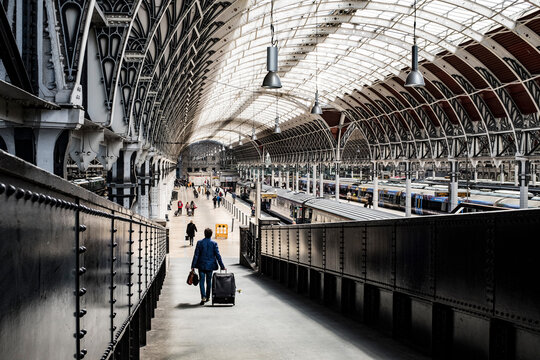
{"points": [[208, 275]]}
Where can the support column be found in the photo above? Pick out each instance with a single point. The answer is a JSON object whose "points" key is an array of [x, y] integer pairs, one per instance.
{"points": [[375, 186], [453, 191], [321, 181], [352, 172], [315, 179], [516, 175], [502, 173], [297, 181], [45, 143], [288, 187], [336, 188], [279, 178], [533, 174], [308, 179], [361, 173], [523, 183], [273, 179], [143, 204], [408, 189]]}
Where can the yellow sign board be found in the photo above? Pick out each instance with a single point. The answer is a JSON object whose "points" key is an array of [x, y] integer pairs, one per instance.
{"points": [[222, 231], [268, 196]]}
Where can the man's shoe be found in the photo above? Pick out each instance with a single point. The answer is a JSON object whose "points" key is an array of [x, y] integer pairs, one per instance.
{"points": [[207, 300], [203, 300]]}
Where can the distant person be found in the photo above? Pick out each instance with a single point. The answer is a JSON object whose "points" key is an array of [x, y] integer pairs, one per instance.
{"points": [[206, 259], [349, 196], [218, 198], [190, 231], [207, 194], [370, 201], [193, 207], [180, 205], [214, 200]]}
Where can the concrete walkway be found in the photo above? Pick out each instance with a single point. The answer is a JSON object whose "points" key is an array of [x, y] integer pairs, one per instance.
{"points": [[268, 321]]}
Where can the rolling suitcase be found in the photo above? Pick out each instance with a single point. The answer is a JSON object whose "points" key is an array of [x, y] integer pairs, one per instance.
{"points": [[223, 288]]}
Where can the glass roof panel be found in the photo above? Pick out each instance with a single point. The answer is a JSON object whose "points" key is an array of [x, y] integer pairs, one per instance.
{"points": [[358, 42]]}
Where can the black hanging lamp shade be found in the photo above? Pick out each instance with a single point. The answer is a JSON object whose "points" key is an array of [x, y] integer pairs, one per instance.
{"points": [[271, 80], [277, 129], [415, 77], [316, 109]]}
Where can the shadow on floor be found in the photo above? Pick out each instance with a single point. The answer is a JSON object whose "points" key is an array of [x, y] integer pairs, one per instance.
{"points": [[188, 306], [368, 339]]}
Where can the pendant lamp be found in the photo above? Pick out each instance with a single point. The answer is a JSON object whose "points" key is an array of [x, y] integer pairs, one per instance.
{"points": [[277, 129], [316, 109], [415, 77], [272, 80]]}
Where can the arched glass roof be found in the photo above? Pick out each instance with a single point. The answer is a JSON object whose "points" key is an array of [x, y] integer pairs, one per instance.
{"points": [[346, 45]]}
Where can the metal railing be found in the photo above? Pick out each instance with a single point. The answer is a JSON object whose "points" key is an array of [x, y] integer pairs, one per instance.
{"points": [[440, 278], [80, 274]]}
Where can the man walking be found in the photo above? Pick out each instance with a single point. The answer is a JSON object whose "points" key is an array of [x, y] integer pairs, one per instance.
{"points": [[190, 231], [206, 259]]}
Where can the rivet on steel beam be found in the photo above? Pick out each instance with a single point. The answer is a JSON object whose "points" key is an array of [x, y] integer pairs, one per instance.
{"points": [[82, 228], [83, 353], [114, 273], [82, 249], [82, 312], [48, 200], [114, 230], [112, 287], [54, 201], [41, 198], [114, 258], [2, 188], [81, 333], [113, 315], [20, 193], [10, 190], [82, 270], [82, 291], [115, 244], [113, 329], [113, 301]]}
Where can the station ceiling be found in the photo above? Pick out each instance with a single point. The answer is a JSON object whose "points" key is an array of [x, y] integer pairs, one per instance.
{"points": [[207, 59]]}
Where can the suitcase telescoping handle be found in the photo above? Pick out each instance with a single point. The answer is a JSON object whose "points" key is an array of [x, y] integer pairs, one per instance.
{"points": [[221, 270]]}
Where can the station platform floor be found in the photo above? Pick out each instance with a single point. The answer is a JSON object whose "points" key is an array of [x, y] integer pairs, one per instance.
{"points": [[267, 322]]}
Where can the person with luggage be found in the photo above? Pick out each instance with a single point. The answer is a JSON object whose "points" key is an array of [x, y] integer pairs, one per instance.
{"points": [[180, 205], [193, 207], [195, 193], [218, 199], [214, 200], [188, 209], [206, 259], [190, 232]]}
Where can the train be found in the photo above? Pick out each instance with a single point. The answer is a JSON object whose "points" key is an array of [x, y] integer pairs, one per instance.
{"points": [[301, 208], [426, 199], [96, 184]]}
